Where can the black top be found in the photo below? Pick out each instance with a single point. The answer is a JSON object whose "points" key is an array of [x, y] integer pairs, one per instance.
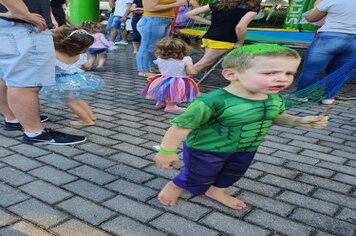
{"points": [[41, 7], [223, 22], [58, 11], [138, 4]]}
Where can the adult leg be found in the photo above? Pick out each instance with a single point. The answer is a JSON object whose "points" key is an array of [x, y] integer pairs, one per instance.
{"points": [[123, 33], [4, 107], [210, 57], [25, 105]]}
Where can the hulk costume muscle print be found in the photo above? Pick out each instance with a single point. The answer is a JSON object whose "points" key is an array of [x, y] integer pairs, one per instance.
{"points": [[223, 122]]}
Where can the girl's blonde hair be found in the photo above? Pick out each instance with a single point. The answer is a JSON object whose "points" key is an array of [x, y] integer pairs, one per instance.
{"points": [[229, 4], [174, 48], [71, 41]]}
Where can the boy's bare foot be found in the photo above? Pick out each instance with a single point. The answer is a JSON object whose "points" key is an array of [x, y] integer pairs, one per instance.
{"points": [[169, 194], [80, 123], [219, 195]]}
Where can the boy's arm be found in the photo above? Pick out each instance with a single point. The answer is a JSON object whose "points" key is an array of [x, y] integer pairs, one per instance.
{"points": [[318, 122], [171, 140]]}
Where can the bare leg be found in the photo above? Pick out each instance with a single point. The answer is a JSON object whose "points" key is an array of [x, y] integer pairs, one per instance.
{"points": [[113, 34], [87, 109], [209, 58], [219, 195], [169, 194], [77, 109], [91, 61], [123, 34], [102, 60], [135, 46], [4, 107], [23, 102]]}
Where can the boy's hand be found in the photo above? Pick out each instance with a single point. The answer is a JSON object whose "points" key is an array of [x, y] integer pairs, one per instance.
{"points": [[166, 161], [317, 122]]}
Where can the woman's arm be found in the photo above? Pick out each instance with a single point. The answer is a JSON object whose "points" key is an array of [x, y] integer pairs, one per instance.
{"points": [[111, 4], [194, 14], [241, 27], [153, 5]]}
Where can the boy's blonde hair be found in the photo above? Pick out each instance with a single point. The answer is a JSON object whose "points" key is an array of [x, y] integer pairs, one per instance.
{"points": [[241, 58]]}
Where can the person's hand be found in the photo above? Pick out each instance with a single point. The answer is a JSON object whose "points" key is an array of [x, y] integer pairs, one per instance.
{"points": [[32, 18], [318, 122], [166, 161], [181, 2], [123, 19]]}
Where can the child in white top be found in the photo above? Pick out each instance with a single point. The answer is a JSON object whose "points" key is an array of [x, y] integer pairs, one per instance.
{"points": [[72, 83], [172, 85]]}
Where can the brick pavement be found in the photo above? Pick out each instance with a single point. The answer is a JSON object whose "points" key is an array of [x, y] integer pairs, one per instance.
{"points": [[302, 181]]}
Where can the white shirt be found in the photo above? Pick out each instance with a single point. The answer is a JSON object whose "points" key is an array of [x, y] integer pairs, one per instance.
{"points": [[341, 16], [121, 6], [172, 67]]}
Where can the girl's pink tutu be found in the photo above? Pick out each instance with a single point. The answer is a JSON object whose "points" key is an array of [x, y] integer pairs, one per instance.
{"points": [[173, 89]]}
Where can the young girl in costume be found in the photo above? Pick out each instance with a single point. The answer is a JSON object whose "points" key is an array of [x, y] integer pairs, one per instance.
{"points": [[72, 83], [172, 85], [228, 25], [100, 48], [224, 128]]}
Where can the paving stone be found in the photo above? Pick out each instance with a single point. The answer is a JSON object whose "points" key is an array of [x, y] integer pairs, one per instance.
{"points": [[296, 157], [38, 212], [311, 169], [96, 149], [130, 173], [324, 157], [338, 146], [103, 141], [133, 190], [157, 183], [7, 142], [68, 151], [324, 222], [325, 183], [313, 147], [92, 174], [265, 150], [347, 155], [275, 170], [95, 161], [59, 161], [130, 160], [28, 152], [131, 131], [86, 210], [339, 168], [282, 129], [253, 174], [266, 203], [80, 229], [336, 198], [269, 159], [186, 209], [23, 228], [169, 174], [4, 152], [288, 184], [6, 218], [308, 202], [46, 192], [14, 177], [89, 190], [125, 226], [324, 137], [132, 149], [257, 187], [282, 147], [348, 179], [301, 138], [53, 175], [279, 224], [21, 162], [10, 195], [179, 226], [347, 215], [132, 208]]}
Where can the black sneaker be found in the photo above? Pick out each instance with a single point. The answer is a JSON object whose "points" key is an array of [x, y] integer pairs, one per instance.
{"points": [[17, 126], [49, 136]]}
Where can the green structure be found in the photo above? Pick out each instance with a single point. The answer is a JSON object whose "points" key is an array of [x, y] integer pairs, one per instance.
{"points": [[82, 10], [294, 15], [309, 27]]}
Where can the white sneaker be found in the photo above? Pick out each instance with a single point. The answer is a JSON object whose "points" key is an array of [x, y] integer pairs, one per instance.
{"points": [[122, 42]]}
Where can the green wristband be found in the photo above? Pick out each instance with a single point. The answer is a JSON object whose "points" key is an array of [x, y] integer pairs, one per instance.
{"points": [[165, 151]]}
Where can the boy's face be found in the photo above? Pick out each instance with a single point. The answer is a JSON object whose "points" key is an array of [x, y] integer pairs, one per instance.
{"points": [[266, 75]]}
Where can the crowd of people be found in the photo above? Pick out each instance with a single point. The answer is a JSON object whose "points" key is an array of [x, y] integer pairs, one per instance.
{"points": [[222, 130]]}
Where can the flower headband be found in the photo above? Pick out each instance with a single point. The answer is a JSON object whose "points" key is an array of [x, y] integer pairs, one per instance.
{"points": [[78, 31]]}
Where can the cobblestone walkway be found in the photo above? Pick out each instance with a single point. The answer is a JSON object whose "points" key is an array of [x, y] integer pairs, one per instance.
{"points": [[302, 181]]}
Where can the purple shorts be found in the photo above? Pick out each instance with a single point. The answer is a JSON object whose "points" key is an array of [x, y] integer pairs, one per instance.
{"points": [[203, 169]]}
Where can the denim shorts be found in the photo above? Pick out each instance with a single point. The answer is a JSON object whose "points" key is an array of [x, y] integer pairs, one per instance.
{"points": [[116, 22], [96, 51], [27, 58]]}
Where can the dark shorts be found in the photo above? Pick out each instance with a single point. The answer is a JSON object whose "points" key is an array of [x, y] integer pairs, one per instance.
{"points": [[203, 169], [96, 51]]}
